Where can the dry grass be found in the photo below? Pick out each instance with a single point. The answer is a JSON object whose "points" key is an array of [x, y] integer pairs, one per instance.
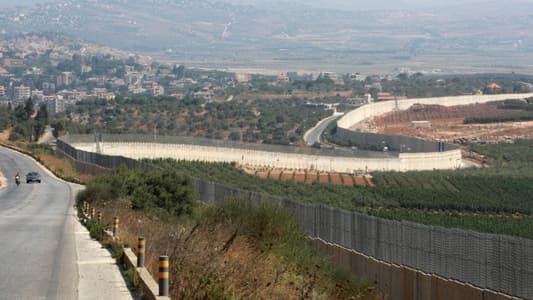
{"points": [[63, 167], [216, 261]]}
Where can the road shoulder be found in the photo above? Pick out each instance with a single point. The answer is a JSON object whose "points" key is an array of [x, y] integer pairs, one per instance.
{"points": [[3, 181], [99, 275]]}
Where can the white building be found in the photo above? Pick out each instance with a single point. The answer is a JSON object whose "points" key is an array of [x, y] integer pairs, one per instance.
{"points": [[65, 79], [158, 90], [54, 104], [22, 93], [332, 76]]}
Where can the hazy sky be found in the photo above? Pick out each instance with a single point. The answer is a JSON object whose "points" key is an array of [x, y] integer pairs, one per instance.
{"points": [[6, 3], [340, 4], [374, 4]]}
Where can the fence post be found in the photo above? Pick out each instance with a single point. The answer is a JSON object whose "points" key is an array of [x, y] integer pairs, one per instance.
{"points": [[140, 252], [163, 275], [115, 227]]}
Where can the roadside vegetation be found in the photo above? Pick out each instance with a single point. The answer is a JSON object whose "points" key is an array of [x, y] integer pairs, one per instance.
{"points": [[26, 121], [231, 251]]}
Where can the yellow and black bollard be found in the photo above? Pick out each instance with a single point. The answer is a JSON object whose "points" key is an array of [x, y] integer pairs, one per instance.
{"points": [[163, 275], [99, 217], [140, 252], [93, 212], [115, 226]]}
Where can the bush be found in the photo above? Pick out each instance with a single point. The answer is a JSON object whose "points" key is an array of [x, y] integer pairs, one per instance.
{"points": [[96, 230], [162, 190]]}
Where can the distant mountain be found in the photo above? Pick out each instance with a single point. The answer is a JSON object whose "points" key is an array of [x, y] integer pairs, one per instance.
{"points": [[298, 34], [12, 3]]}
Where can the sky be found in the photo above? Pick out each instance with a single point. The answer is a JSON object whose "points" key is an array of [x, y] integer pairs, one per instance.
{"points": [[339, 4], [369, 5], [8, 3]]}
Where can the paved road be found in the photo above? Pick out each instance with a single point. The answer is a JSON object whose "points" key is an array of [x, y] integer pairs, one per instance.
{"points": [[37, 256], [313, 135]]}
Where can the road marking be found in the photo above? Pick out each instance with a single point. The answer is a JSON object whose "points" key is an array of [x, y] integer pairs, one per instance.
{"points": [[108, 261]]}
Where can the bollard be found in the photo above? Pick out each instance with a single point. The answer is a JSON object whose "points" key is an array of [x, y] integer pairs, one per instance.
{"points": [[140, 252], [163, 275], [92, 213], [99, 216], [115, 226]]}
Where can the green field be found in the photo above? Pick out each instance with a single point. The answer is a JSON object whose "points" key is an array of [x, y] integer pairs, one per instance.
{"points": [[495, 199]]}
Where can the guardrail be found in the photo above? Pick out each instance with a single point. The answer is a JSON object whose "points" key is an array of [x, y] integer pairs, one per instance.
{"points": [[147, 286]]}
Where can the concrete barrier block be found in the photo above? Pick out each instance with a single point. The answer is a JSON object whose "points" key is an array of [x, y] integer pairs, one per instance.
{"points": [[149, 288]]}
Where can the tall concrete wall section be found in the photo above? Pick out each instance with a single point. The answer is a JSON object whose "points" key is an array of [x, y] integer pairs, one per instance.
{"points": [[431, 160], [247, 157], [379, 108], [424, 158], [405, 161]]}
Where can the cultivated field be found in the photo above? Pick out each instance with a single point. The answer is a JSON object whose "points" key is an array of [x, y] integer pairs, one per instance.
{"points": [[312, 177], [447, 123]]}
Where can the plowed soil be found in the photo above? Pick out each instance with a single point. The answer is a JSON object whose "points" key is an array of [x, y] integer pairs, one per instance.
{"points": [[311, 177], [348, 180], [323, 178], [447, 124]]}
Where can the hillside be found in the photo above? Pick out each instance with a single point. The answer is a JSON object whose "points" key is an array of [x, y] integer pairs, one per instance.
{"points": [[282, 121], [230, 251], [297, 36]]}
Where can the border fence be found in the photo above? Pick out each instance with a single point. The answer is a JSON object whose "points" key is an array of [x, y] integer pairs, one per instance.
{"points": [[393, 142], [496, 262]]}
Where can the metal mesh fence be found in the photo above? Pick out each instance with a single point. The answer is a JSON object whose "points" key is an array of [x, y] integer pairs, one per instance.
{"points": [[497, 262], [393, 142]]}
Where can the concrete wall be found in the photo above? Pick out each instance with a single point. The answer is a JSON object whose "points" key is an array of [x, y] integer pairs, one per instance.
{"points": [[379, 108], [422, 161], [405, 161], [244, 157]]}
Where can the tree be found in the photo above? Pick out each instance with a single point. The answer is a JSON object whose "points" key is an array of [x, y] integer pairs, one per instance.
{"points": [[59, 127], [29, 108], [179, 71], [41, 120]]}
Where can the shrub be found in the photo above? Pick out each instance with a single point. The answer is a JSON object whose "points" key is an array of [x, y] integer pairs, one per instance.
{"points": [[164, 190], [96, 229]]}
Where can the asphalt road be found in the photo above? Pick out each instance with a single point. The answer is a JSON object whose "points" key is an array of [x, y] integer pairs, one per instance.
{"points": [[313, 135], [38, 254]]}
